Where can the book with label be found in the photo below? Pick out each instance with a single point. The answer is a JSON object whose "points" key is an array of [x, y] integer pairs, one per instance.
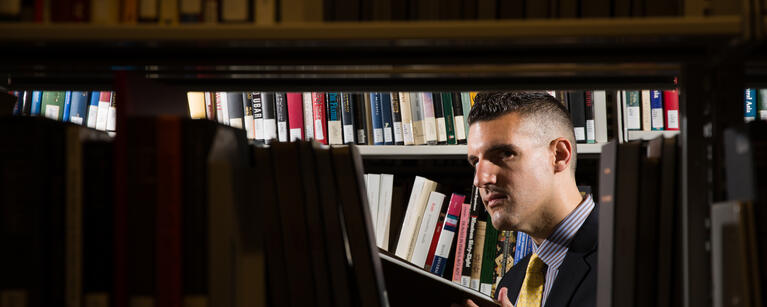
{"points": [[235, 110], [449, 228], [53, 104], [458, 119], [426, 229], [347, 117], [360, 124], [646, 111], [416, 109], [247, 119], [386, 118], [589, 111], [633, 110], [429, 120], [335, 128], [320, 123], [407, 118], [439, 116], [447, 110], [79, 108], [749, 105], [422, 187], [671, 109], [376, 116], [281, 103], [295, 116], [67, 106], [656, 112], [460, 246], [270, 116], [477, 209], [308, 116], [256, 105], [577, 104], [396, 117]]}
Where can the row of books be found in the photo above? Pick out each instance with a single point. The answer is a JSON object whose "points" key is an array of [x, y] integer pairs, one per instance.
{"points": [[755, 104], [95, 109], [373, 118], [650, 110], [267, 12], [445, 236]]}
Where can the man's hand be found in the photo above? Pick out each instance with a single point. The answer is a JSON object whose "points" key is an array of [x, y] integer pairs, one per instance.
{"points": [[504, 300]]}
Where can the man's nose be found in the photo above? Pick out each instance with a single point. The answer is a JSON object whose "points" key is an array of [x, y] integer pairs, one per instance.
{"points": [[484, 174]]}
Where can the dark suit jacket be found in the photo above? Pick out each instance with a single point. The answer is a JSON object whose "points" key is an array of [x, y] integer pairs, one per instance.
{"points": [[576, 282]]}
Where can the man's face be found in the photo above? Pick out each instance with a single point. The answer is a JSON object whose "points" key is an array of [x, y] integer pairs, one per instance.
{"points": [[513, 171]]}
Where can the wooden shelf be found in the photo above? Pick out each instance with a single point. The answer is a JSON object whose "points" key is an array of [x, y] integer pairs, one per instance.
{"points": [[649, 135], [441, 151]]}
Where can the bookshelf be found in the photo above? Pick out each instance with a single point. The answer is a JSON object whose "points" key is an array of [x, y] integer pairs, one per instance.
{"points": [[531, 54], [648, 135]]}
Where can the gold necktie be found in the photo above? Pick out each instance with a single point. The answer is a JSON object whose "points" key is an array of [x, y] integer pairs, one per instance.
{"points": [[531, 293]]}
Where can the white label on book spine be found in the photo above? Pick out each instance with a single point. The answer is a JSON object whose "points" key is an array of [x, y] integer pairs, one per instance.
{"points": [[295, 134], [590, 130], [282, 131], [258, 128], [474, 284], [249, 127], [633, 114], [377, 135], [318, 130], [460, 129], [361, 134], [348, 134], [486, 289], [657, 119], [407, 133], [235, 122], [673, 119], [92, 115], [76, 119], [580, 133], [398, 132], [308, 116], [101, 120], [763, 114], [52, 112], [430, 129], [335, 135], [112, 119], [441, 130], [387, 135], [270, 129], [466, 281]]}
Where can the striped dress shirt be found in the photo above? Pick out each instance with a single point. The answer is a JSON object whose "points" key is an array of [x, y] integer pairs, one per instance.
{"points": [[553, 250]]}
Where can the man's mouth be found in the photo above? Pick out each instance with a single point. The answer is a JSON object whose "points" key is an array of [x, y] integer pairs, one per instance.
{"points": [[495, 199]]}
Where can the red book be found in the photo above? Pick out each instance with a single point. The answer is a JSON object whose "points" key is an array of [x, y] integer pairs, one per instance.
{"points": [[461, 244], [168, 223], [296, 116], [210, 105], [320, 124], [671, 109], [434, 241]]}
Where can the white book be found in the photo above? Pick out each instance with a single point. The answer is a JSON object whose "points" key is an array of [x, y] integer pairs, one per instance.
{"points": [[221, 97], [112, 119], [421, 203], [416, 112], [93, 111], [621, 107], [646, 111], [429, 121], [600, 116], [384, 210], [407, 119], [308, 116], [408, 223], [426, 231], [373, 186], [196, 104], [103, 113]]}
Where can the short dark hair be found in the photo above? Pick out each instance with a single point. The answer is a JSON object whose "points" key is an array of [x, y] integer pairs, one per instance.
{"points": [[538, 106]]}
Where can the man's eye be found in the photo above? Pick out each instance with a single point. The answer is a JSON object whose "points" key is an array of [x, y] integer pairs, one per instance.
{"points": [[508, 153]]}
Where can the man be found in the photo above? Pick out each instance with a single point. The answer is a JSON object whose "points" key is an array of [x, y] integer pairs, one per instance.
{"points": [[522, 148]]}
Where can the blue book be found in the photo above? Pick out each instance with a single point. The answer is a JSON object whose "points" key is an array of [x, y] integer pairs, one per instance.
{"points": [[750, 105], [67, 106], [19, 102], [377, 118], [524, 246], [335, 126], [93, 109], [386, 118], [656, 110], [79, 107], [37, 100]]}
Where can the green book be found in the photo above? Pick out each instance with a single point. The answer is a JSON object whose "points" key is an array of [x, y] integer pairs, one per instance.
{"points": [[762, 104], [633, 111], [486, 278], [52, 105], [447, 109]]}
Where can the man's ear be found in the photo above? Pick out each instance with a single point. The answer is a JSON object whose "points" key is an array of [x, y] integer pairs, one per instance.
{"points": [[563, 153]]}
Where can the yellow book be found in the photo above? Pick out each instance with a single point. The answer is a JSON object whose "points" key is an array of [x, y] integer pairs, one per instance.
{"points": [[196, 104], [472, 94]]}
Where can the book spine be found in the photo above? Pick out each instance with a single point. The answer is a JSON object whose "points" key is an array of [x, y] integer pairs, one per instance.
{"points": [[360, 124], [429, 120], [417, 114], [750, 105], [590, 133], [27, 106], [112, 114], [247, 118], [270, 116], [407, 118], [281, 108], [656, 113], [439, 117], [377, 118], [646, 111], [478, 255], [335, 136], [426, 231], [488, 259], [223, 100], [93, 108], [295, 116], [105, 99], [600, 116], [406, 233], [577, 104], [368, 118], [218, 101], [79, 107], [386, 118], [762, 103], [37, 98], [459, 119], [210, 105], [460, 247], [633, 111], [434, 241], [50, 107], [347, 117], [449, 228], [308, 116], [523, 248], [468, 255], [258, 116], [671, 109], [235, 109], [320, 125], [447, 109], [396, 117], [504, 253], [67, 106]]}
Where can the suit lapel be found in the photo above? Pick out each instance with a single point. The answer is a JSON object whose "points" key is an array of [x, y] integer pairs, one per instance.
{"points": [[575, 267], [516, 276]]}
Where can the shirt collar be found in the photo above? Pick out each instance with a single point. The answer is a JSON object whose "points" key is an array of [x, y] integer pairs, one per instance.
{"points": [[553, 249]]}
